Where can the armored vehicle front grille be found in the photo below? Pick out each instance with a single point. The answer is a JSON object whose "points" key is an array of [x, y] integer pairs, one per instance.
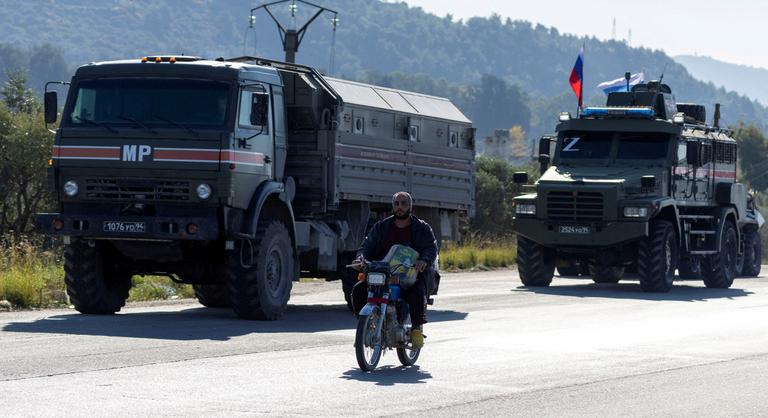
{"points": [[137, 190], [575, 206]]}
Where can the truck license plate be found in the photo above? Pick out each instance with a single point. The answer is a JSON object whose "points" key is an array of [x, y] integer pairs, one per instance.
{"points": [[118, 226], [574, 229]]}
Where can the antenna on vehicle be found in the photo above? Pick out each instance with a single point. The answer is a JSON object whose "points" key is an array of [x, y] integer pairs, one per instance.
{"points": [[292, 37]]}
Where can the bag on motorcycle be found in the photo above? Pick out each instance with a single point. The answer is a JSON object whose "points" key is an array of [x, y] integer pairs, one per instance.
{"points": [[401, 256]]}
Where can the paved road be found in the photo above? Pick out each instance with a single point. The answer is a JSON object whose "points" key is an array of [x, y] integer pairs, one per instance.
{"points": [[494, 348]]}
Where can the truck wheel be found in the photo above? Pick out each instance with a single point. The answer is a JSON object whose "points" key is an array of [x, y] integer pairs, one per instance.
{"points": [[657, 258], [689, 269], [212, 295], [96, 283], [535, 263], [719, 270], [605, 274], [753, 254], [261, 290]]}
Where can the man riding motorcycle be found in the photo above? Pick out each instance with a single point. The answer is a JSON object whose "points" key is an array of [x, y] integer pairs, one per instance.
{"points": [[405, 229]]}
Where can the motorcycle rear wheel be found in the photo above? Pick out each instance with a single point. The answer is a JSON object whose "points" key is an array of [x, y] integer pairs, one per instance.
{"points": [[368, 341]]}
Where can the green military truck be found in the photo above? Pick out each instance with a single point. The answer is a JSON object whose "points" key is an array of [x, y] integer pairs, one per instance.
{"points": [[642, 184], [239, 176]]}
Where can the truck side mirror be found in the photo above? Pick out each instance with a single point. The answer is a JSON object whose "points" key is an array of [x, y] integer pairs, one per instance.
{"points": [[259, 109], [51, 106], [543, 163], [693, 153], [520, 177], [544, 143]]}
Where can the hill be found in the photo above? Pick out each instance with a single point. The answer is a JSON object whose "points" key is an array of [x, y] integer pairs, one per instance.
{"points": [[750, 81], [372, 36]]}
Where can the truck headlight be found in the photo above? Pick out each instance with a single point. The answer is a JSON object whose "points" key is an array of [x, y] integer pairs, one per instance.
{"points": [[203, 191], [525, 209], [71, 188], [635, 212]]}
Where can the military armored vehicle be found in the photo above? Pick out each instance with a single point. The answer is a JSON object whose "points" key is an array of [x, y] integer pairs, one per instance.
{"points": [[642, 183], [239, 176]]}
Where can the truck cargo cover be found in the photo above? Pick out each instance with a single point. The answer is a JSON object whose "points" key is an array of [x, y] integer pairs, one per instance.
{"points": [[396, 100]]}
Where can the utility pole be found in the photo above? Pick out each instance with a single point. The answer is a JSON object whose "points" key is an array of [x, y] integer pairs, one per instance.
{"points": [[292, 37]]}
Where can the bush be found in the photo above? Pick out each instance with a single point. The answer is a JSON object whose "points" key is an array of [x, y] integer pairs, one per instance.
{"points": [[30, 276]]}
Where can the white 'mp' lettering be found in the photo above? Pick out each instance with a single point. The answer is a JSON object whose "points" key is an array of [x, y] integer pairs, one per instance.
{"points": [[136, 152], [144, 150]]}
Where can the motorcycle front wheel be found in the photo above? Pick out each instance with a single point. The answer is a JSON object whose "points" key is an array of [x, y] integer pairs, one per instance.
{"points": [[368, 341]]}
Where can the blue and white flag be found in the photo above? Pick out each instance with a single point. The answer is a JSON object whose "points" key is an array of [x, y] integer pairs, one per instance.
{"points": [[620, 84]]}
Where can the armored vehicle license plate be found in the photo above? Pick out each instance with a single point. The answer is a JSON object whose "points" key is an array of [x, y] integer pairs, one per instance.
{"points": [[119, 226], [574, 229]]}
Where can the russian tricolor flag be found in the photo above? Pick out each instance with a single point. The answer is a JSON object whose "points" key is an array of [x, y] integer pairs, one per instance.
{"points": [[577, 76]]}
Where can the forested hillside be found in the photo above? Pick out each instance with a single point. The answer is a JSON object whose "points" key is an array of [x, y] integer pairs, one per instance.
{"points": [[374, 39], [740, 78]]}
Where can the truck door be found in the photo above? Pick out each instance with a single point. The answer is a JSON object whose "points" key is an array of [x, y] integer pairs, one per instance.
{"points": [[253, 149]]}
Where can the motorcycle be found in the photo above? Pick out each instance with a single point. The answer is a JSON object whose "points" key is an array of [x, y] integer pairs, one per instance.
{"points": [[384, 323]]}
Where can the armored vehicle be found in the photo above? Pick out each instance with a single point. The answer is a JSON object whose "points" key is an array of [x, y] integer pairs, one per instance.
{"points": [[642, 183], [239, 176]]}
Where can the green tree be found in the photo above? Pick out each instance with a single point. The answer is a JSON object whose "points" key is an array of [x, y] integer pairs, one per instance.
{"points": [[16, 95], [494, 194], [753, 148]]}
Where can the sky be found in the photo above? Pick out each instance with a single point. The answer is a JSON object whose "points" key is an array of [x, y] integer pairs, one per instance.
{"points": [[734, 31]]}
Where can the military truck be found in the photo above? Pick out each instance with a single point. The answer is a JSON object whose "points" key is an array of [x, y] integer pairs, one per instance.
{"points": [[239, 176], [642, 184]]}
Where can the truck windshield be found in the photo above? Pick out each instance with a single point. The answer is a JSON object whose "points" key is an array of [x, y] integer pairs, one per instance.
{"points": [[642, 146], [157, 102], [582, 145]]}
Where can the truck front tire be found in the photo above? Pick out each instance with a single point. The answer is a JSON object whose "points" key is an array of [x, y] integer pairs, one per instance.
{"points": [[96, 283], [535, 263], [259, 286], [719, 270], [657, 258]]}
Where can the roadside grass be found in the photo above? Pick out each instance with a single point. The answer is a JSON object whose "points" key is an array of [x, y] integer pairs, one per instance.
{"points": [[157, 288], [478, 253]]}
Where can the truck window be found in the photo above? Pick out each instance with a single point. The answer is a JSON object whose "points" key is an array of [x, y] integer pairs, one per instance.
{"points": [[249, 99], [643, 146], [586, 145], [156, 102]]}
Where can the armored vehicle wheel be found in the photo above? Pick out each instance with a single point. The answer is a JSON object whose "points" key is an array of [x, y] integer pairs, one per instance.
{"points": [[657, 258], [689, 269], [535, 263], [753, 258], [259, 288], [719, 270], [605, 274], [96, 283], [212, 295]]}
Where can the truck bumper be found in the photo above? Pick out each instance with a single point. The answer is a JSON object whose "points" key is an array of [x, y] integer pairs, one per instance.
{"points": [[602, 235], [151, 228]]}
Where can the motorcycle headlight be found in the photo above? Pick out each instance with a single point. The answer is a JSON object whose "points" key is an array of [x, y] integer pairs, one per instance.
{"points": [[376, 278], [525, 209], [203, 191], [71, 188], [635, 212]]}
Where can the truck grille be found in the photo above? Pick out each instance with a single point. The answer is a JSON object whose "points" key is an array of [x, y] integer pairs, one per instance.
{"points": [[136, 190], [575, 206]]}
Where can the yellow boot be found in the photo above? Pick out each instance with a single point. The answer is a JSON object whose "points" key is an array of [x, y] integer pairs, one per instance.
{"points": [[417, 338]]}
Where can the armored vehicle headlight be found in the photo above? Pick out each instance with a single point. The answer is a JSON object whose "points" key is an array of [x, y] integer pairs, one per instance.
{"points": [[635, 212], [203, 191], [525, 209], [71, 188]]}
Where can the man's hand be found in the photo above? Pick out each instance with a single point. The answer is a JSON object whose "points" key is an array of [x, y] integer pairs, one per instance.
{"points": [[420, 266], [357, 264]]}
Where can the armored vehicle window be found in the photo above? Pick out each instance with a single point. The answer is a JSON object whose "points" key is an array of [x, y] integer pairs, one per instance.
{"points": [[591, 145], [157, 102], [642, 146]]}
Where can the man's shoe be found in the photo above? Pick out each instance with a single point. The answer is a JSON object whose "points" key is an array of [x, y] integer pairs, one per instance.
{"points": [[417, 338]]}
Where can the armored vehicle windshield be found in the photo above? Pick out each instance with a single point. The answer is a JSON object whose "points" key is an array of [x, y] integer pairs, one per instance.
{"points": [[155, 102], [612, 146]]}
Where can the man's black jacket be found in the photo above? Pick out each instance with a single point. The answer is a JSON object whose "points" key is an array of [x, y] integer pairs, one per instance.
{"points": [[422, 239]]}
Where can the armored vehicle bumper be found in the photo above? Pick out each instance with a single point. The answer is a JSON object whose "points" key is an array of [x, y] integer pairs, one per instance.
{"points": [[569, 235], [151, 228]]}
